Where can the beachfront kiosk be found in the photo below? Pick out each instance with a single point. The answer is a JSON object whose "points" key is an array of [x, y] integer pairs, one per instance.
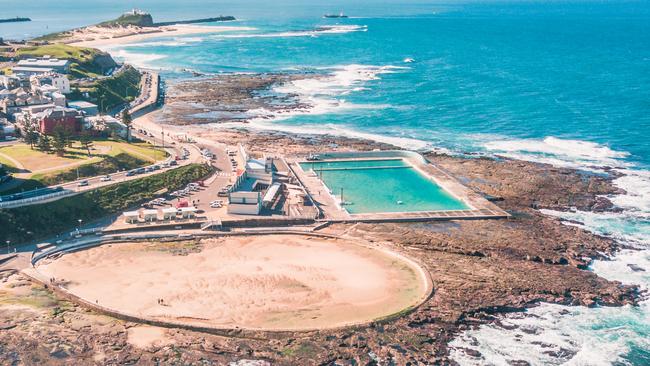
{"points": [[169, 213], [188, 212], [150, 215], [131, 217]]}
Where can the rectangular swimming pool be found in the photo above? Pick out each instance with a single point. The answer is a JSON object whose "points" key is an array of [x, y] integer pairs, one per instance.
{"points": [[390, 185]]}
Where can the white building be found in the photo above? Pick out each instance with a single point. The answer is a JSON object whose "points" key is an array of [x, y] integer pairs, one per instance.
{"points": [[169, 213], [131, 217], [45, 62], [150, 215], [188, 212], [60, 82], [106, 123], [245, 203]]}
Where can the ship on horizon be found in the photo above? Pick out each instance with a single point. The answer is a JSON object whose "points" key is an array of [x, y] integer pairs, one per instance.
{"points": [[339, 15]]}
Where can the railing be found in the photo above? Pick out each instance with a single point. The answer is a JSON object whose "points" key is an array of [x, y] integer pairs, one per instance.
{"points": [[87, 231], [34, 200]]}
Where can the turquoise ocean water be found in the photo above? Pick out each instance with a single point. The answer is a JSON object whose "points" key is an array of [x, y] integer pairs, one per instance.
{"points": [[368, 186], [561, 82]]}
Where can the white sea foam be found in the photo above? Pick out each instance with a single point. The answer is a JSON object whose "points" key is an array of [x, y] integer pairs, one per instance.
{"points": [[331, 29], [555, 334], [137, 59], [559, 152], [637, 185], [325, 95], [633, 228], [175, 42]]}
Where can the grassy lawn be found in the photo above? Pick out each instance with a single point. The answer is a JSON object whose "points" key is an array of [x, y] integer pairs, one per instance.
{"points": [[108, 156], [35, 160], [61, 51], [83, 59], [9, 166]]}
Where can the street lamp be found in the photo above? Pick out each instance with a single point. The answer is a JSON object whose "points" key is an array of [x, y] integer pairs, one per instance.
{"points": [[79, 228], [8, 242]]}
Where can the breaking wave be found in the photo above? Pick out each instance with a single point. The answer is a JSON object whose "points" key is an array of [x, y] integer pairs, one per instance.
{"points": [[143, 60], [559, 152]]}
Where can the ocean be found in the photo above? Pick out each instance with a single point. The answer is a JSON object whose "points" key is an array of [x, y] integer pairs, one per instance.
{"points": [[560, 82]]}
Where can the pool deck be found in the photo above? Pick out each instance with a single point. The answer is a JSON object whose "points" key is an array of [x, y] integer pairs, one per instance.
{"points": [[480, 208]]}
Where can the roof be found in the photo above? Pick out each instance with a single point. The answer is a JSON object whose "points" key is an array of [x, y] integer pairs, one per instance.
{"points": [[82, 104], [31, 69], [272, 192], [106, 119], [131, 213], [43, 62], [255, 164], [188, 209], [169, 210], [150, 212], [58, 112]]}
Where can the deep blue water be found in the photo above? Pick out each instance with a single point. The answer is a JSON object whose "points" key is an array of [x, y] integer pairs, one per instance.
{"points": [[567, 83]]}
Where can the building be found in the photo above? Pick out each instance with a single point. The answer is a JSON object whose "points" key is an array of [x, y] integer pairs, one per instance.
{"points": [[254, 187], [105, 124], [46, 62], [60, 82], [150, 215], [69, 118], [245, 203], [30, 71], [14, 101], [169, 213], [131, 217], [188, 212], [6, 129], [88, 108], [9, 82]]}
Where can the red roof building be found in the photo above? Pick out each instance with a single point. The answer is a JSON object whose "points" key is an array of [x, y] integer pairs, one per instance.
{"points": [[70, 119]]}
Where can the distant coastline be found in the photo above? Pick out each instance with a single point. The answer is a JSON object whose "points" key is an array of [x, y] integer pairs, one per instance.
{"points": [[228, 18], [16, 19]]}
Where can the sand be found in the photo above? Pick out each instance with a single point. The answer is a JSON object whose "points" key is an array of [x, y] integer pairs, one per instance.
{"points": [[268, 282], [144, 336], [102, 37]]}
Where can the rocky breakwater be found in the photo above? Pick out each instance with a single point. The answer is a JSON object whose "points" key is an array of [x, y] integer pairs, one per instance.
{"points": [[227, 98]]}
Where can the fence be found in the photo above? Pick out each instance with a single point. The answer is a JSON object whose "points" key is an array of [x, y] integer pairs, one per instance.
{"points": [[36, 200]]}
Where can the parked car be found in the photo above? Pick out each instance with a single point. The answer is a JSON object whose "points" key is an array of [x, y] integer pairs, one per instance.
{"points": [[83, 183], [173, 163], [131, 173], [106, 178]]}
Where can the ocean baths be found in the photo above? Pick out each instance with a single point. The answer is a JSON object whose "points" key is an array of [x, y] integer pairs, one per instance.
{"points": [[387, 186]]}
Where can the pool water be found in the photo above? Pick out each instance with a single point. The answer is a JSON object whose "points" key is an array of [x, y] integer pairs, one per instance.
{"points": [[372, 186]]}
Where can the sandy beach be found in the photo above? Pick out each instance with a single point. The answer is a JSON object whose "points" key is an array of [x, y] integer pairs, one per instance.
{"points": [[100, 37], [267, 282]]}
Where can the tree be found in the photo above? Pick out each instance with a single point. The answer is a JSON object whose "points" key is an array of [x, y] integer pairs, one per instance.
{"points": [[30, 135], [126, 119], [45, 143], [59, 140], [86, 142]]}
